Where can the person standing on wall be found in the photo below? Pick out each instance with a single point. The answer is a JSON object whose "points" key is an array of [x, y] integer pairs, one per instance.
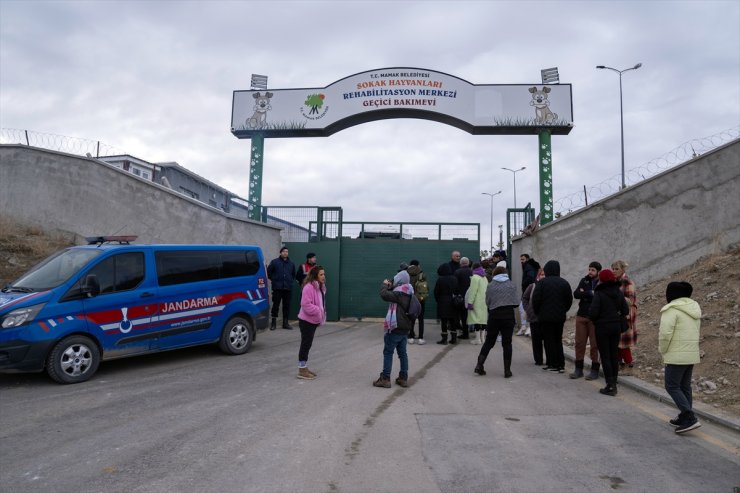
{"points": [[421, 290], [585, 328], [551, 300], [628, 338], [281, 273], [311, 316], [304, 268], [463, 275]]}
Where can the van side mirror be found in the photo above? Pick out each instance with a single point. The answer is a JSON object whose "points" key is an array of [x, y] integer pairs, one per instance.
{"points": [[91, 286]]}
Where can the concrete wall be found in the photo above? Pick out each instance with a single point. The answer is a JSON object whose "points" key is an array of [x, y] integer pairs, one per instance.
{"points": [[658, 226], [83, 195]]}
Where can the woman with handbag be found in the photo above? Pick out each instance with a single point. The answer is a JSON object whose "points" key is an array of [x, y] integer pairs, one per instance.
{"points": [[609, 311]]}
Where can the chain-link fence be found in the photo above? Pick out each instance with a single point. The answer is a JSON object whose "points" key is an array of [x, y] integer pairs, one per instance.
{"points": [[684, 152]]}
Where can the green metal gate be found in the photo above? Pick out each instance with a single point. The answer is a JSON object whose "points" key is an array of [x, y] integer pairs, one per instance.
{"points": [[357, 256]]}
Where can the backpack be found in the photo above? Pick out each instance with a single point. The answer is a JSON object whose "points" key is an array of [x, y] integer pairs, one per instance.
{"points": [[421, 288], [414, 309]]}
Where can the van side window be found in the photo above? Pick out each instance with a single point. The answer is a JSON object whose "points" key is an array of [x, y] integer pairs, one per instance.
{"points": [[180, 267], [120, 272]]}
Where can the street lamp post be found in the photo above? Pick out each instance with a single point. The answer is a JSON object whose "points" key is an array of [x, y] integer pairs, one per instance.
{"points": [[491, 195], [621, 113], [515, 171]]}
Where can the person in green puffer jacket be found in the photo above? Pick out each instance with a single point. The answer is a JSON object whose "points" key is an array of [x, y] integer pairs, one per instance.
{"points": [[678, 342]]}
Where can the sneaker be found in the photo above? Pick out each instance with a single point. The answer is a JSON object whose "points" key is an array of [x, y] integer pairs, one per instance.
{"points": [[675, 422], [554, 369], [521, 331], [528, 333], [382, 381], [691, 423], [421, 342], [402, 382], [411, 340], [305, 374]]}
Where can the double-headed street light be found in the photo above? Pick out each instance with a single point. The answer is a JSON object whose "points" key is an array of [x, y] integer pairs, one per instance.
{"points": [[621, 114], [491, 195], [515, 171]]}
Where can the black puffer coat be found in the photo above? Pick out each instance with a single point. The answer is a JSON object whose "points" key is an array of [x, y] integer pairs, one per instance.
{"points": [[444, 289], [552, 297], [608, 302]]}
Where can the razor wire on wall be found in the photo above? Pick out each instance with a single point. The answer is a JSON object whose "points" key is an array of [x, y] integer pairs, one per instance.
{"points": [[680, 154], [61, 143]]}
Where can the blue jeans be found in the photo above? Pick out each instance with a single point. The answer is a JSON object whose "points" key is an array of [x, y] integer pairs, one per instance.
{"points": [[678, 385], [395, 342]]}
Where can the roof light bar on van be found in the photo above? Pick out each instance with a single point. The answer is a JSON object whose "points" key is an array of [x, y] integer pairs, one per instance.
{"points": [[99, 240]]}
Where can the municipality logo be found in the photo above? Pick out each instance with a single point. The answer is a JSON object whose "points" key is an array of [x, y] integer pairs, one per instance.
{"points": [[312, 107]]}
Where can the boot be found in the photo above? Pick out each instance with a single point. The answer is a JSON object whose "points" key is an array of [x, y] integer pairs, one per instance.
{"points": [[402, 381], [594, 374], [453, 337], [507, 368], [286, 325], [479, 367], [305, 374], [382, 381], [273, 323], [611, 387], [443, 341], [465, 333], [578, 373]]}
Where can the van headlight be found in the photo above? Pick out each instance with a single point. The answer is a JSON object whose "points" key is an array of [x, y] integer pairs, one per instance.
{"points": [[20, 316]]}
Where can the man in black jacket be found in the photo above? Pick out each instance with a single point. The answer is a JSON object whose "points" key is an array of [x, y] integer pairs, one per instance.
{"points": [[585, 330], [463, 275], [551, 301], [281, 273]]}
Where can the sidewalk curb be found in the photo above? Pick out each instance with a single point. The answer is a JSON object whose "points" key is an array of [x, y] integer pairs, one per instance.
{"points": [[662, 396]]}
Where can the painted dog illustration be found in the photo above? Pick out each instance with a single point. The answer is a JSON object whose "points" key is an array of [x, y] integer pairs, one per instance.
{"points": [[258, 119], [541, 105]]}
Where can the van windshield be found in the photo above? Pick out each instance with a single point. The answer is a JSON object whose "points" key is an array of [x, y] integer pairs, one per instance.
{"points": [[54, 271]]}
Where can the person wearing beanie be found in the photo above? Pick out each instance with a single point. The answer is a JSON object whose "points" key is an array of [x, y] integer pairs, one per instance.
{"points": [[629, 337], [418, 281], [608, 311], [396, 327], [678, 343], [502, 301], [303, 270], [585, 329], [551, 301], [403, 266]]}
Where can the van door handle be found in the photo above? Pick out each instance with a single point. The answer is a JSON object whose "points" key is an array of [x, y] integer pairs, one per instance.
{"points": [[146, 294]]}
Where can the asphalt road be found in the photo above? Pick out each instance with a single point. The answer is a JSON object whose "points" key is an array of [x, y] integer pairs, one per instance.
{"points": [[195, 420]]}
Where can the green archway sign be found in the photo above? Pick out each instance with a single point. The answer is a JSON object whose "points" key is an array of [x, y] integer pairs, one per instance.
{"points": [[404, 92]]}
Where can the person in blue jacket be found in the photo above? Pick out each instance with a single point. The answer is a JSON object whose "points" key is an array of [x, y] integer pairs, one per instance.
{"points": [[281, 273]]}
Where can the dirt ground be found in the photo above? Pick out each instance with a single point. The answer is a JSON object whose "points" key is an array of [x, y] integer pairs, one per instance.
{"points": [[716, 282]]}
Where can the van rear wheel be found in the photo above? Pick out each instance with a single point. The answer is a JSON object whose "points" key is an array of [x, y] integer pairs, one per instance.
{"points": [[236, 336], [74, 359]]}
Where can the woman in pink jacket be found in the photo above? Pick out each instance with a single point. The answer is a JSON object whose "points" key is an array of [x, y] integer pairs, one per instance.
{"points": [[311, 315]]}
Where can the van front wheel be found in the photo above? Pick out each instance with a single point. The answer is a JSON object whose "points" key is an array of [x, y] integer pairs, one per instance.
{"points": [[236, 337], [73, 360]]}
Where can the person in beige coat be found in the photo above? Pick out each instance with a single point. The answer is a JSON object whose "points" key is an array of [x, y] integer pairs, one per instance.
{"points": [[475, 302], [678, 342]]}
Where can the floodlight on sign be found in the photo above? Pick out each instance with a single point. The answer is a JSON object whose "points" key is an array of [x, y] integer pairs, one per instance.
{"points": [[259, 82], [550, 76]]}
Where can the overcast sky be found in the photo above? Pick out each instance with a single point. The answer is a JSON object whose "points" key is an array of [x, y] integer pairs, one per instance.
{"points": [[156, 79]]}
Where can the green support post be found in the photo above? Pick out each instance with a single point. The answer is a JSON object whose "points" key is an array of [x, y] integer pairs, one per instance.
{"points": [[255, 178], [546, 204]]}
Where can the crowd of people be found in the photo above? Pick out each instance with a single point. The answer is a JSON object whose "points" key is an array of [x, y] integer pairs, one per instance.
{"points": [[479, 302]]}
